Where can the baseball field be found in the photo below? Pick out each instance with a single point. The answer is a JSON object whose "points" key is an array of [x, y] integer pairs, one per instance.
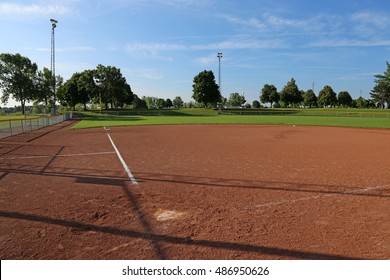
{"points": [[127, 188]]}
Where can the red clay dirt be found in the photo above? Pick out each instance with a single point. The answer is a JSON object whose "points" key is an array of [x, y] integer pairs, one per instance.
{"points": [[202, 192]]}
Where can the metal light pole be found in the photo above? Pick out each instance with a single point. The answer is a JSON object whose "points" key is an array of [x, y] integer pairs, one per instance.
{"points": [[219, 80], [53, 63], [219, 71]]}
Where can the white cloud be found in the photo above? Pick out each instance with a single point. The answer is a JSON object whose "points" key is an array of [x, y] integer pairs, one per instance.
{"points": [[356, 77], [269, 23], [77, 49], [241, 43], [206, 60], [174, 3], [13, 9], [378, 20], [191, 5], [370, 25], [349, 43], [67, 49], [251, 22], [152, 49]]}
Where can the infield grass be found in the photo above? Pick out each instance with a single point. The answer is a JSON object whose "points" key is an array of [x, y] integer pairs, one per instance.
{"points": [[97, 120]]}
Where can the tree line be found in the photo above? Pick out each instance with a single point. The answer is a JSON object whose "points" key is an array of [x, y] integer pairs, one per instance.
{"points": [[106, 86], [21, 79], [206, 92], [103, 87], [291, 96]]}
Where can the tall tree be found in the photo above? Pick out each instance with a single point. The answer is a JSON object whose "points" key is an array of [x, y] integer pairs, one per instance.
{"points": [[161, 103], [361, 102], [18, 77], [256, 104], [68, 93], [269, 94], [291, 95], [178, 102], [310, 99], [236, 99], [327, 97], [87, 88], [112, 86], [139, 103], [205, 89], [381, 91], [44, 87], [344, 99], [274, 98], [168, 103], [151, 102]]}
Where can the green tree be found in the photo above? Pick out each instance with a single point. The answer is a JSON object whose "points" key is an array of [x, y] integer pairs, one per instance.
{"points": [[44, 87], [161, 103], [269, 94], [344, 99], [236, 99], [72, 92], [151, 102], [361, 102], [381, 91], [18, 76], [291, 95], [310, 99], [168, 103], [87, 88], [112, 87], [256, 104], [178, 102], [139, 103], [274, 98], [68, 93], [327, 97], [205, 89]]}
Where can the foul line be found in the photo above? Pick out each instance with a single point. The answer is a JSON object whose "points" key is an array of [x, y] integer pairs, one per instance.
{"points": [[125, 166]]}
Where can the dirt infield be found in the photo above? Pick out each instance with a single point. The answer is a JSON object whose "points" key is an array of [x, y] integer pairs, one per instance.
{"points": [[198, 192]]}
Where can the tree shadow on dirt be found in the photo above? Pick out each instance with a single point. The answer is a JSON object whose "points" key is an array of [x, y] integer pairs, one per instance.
{"points": [[155, 238], [148, 233], [259, 185], [104, 177]]}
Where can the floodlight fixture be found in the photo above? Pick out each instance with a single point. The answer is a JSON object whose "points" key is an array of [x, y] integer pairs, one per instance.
{"points": [[53, 23]]}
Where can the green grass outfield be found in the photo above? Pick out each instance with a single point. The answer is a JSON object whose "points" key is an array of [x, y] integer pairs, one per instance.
{"points": [[342, 118]]}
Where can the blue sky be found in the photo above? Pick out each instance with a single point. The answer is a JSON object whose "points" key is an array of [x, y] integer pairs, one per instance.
{"points": [[160, 45]]}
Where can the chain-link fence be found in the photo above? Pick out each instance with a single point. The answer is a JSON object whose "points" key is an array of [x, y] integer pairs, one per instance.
{"points": [[17, 126]]}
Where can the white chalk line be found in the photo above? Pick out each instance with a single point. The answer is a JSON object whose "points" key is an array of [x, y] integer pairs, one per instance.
{"points": [[64, 155], [125, 166], [290, 201]]}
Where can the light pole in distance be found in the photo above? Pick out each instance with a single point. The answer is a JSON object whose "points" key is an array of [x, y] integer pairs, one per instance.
{"points": [[219, 71], [53, 64], [219, 79]]}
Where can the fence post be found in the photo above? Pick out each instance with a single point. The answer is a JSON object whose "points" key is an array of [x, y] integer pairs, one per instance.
{"points": [[10, 127]]}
